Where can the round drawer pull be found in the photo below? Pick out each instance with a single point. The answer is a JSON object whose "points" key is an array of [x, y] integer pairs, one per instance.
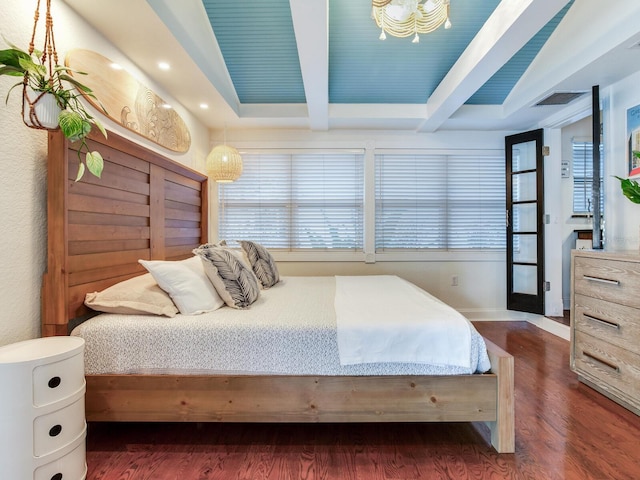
{"points": [[57, 476], [55, 430], [54, 382]]}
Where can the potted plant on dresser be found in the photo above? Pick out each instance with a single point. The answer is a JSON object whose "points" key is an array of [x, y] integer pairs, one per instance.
{"points": [[51, 100]]}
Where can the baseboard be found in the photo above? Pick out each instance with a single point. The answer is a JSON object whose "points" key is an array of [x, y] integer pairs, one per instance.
{"points": [[497, 315], [540, 321], [551, 326]]}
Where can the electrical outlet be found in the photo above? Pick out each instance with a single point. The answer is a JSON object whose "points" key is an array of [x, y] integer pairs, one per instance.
{"points": [[454, 280]]}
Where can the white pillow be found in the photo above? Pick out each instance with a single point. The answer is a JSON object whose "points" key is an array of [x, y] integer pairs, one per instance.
{"points": [[138, 295], [186, 283]]}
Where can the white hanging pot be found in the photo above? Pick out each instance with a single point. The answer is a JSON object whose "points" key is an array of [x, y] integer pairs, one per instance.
{"points": [[40, 110]]}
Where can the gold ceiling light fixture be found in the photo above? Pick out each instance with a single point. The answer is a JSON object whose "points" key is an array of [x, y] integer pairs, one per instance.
{"points": [[224, 163], [402, 18]]}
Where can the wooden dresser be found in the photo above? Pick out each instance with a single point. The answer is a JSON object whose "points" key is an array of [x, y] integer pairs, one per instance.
{"points": [[605, 323]]}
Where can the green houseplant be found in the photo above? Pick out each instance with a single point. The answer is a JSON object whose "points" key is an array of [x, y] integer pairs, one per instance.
{"points": [[630, 188], [46, 79]]}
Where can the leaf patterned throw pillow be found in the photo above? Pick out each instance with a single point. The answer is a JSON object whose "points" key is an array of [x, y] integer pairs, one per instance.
{"points": [[234, 282], [262, 263]]}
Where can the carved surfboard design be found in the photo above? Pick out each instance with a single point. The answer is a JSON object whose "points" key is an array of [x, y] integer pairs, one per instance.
{"points": [[128, 102]]}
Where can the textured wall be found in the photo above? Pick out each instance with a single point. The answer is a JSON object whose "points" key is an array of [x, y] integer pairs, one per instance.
{"points": [[23, 153]]}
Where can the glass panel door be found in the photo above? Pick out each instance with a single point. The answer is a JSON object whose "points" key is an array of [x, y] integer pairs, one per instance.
{"points": [[525, 227]]}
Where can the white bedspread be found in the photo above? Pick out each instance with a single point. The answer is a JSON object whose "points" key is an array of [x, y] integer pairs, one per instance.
{"points": [[290, 330], [383, 318]]}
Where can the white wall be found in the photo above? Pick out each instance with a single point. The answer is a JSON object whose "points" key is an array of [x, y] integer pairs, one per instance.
{"points": [[23, 153], [622, 217]]}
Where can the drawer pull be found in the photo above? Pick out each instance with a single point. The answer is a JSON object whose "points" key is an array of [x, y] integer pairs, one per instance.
{"points": [[54, 382], [57, 476], [55, 430], [606, 323], [601, 280], [599, 360]]}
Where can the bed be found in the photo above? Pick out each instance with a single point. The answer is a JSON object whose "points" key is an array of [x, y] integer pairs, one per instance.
{"points": [[148, 207]]}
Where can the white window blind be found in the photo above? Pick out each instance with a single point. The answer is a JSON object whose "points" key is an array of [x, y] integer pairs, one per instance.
{"points": [[439, 202], [582, 153], [296, 201]]}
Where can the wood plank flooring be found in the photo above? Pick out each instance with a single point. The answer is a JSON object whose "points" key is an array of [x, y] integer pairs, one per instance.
{"points": [[564, 430]]}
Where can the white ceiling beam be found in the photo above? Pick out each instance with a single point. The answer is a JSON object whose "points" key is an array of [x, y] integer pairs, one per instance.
{"points": [[189, 24], [311, 26], [508, 29]]}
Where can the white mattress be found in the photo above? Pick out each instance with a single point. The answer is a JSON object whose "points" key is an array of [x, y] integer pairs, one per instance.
{"points": [[290, 329]]}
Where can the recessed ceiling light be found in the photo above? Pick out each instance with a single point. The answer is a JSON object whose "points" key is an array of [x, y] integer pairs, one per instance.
{"points": [[164, 66], [204, 106], [166, 105], [116, 66]]}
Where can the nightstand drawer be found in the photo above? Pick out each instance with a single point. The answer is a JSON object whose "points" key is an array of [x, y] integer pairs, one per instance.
{"points": [[71, 466], [55, 430], [608, 363], [611, 280], [608, 321], [58, 380]]}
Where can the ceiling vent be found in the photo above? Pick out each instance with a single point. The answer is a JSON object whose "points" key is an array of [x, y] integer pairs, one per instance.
{"points": [[559, 98]]}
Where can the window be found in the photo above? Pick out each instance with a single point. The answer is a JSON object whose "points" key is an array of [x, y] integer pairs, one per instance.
{"points": [[296, 201], [582, 153], [439, 202]]}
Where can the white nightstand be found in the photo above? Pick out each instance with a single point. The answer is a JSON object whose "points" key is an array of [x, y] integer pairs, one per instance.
{"points": [[42, 409]]}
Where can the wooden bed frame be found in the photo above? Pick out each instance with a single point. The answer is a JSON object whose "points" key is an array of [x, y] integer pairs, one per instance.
{"points": [[147, 206]]}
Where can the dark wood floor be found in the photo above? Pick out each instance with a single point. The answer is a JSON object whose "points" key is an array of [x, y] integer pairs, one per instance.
{"points": [[564, 430]]}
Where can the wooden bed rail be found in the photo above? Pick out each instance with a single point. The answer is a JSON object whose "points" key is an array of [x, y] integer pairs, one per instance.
{"points": [[279, 398]]}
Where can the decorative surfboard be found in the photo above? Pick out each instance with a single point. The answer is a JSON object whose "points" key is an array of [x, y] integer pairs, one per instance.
{"points": [[128, 102]]}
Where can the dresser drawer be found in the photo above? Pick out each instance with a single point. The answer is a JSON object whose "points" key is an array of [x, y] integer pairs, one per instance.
{"points": [[55, 430], [608, 321], [71, 466], [55, 381], [612, 280], [607, 363]]}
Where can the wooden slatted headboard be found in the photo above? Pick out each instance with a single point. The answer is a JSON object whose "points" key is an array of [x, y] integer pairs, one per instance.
{"points": [[144, 206]]}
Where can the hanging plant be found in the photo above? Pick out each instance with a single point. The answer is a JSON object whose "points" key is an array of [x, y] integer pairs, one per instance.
{"points": [[44, 82]]}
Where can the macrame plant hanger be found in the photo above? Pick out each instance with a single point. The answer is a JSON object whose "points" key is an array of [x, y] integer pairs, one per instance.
{"points": [[49, 59]]}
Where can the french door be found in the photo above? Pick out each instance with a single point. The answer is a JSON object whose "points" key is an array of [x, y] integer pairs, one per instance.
{"points": [[525, 222]]}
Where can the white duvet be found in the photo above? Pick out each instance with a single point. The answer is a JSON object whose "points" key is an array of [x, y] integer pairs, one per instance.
{"points": [[291, 330], [383, 318]]}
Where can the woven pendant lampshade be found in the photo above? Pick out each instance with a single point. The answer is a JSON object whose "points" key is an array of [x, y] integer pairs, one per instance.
{"points": [[224, 164]]}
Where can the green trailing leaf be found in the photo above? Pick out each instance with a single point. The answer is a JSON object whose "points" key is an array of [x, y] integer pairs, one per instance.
{"points": [[100, 127], [80, 171], [95, 163], [12, 57], [630, 189], [11, 70], [75, 83], [73, 126]]}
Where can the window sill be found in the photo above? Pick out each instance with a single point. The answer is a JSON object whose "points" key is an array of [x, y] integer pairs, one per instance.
{"points": [[412, 256]]}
